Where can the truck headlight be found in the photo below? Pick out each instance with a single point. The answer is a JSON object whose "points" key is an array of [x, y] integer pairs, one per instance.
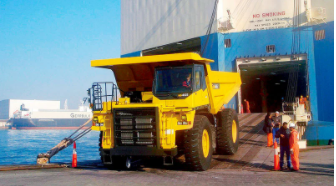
{"points": [[182, 123], [183, 95], [98, 124]]}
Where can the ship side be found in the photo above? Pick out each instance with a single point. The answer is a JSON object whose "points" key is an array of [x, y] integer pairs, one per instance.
{"points": [[51, 119]]}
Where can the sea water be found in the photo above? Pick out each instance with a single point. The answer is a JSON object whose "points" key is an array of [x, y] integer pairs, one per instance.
{"points": [[21, 147]]}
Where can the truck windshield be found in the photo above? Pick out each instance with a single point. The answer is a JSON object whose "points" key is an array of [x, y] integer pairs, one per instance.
{"points": [[173, 80]]}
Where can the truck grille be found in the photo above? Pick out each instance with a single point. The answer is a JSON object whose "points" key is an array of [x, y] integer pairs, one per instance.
{"points": [[135, 127]]}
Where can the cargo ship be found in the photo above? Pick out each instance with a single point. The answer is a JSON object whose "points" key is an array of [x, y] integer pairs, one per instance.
{"points": [[46, 119]]}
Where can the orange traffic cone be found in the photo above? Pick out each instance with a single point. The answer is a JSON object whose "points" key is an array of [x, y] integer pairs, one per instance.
{"points": [[74, 156], [276, 157]]}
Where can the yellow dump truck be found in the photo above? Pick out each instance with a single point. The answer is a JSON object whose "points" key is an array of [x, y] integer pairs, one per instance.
{"points": [[165, 106]]}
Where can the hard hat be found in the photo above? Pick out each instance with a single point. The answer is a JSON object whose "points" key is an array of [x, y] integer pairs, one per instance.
{"points": [[291, 125], [277, 112]]}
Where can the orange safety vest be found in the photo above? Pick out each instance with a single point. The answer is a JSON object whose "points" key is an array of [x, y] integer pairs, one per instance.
{"points": [[301, 101], [247, 107], [294, 146]]}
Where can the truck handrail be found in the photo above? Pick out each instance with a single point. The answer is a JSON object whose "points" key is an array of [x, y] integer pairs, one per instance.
{"points": [[103, 91]]}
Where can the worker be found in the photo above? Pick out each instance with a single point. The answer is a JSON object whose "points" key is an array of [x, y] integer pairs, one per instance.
{"points": [[187, 83], [277, 123], [277, 118], [284, 133], [294, 147], [302, 100], [274, 131], [247, 106], [268, 125]]}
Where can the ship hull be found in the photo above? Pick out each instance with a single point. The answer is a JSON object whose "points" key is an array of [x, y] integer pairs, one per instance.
{"points": [[47, 124]]}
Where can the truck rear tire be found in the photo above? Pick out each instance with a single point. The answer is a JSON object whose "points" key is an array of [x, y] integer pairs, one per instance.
{"points": [[227, 132], [198, 144]]}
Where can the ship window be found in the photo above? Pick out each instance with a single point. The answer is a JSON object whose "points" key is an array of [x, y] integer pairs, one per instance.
{"points": [[319, 34], [227, 43], [270, 48]]}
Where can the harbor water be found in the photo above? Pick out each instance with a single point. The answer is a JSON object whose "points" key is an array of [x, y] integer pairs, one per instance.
{"points": [[21, 147]]}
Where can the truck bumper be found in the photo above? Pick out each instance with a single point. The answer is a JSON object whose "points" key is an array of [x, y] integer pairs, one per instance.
{"points": [[139, 151]]}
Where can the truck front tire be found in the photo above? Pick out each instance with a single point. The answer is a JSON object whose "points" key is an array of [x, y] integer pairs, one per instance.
{"points": [[227, 132], [118, 162], [198, 144]]}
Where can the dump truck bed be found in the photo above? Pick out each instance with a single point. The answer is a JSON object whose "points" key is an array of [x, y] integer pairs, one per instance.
{"points": [[222, 87], [137, 73]]}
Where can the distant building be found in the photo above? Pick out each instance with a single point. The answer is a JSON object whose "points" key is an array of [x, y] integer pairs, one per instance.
{"points": [[9, 107], [3, 123]]}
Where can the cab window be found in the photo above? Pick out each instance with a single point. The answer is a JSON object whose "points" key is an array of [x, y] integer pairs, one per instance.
{"points": [[199, 78]]}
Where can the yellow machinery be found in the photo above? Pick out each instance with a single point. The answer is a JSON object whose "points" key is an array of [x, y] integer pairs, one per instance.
{"points": [[167, 106]]}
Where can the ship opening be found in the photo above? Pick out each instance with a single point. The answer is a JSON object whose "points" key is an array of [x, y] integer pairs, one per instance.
{"points": [[266, 85]]}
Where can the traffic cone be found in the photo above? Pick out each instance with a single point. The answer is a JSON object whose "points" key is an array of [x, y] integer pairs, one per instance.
{"points": [[74, 156], [276, 157]]}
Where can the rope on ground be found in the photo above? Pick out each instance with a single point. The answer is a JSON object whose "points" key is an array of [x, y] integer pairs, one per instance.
{"points": [[44, 158]]}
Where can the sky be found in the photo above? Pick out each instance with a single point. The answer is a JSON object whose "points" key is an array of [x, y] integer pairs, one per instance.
{"points": [[46, 47]]}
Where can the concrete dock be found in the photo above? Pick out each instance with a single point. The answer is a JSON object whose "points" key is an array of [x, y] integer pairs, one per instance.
{"points": [[251, 165]]}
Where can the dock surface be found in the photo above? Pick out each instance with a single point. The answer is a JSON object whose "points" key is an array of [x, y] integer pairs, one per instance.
{"points": [[251, 165]]}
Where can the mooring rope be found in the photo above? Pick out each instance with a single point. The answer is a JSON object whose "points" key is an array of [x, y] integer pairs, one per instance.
{"points": [[64, 143]]}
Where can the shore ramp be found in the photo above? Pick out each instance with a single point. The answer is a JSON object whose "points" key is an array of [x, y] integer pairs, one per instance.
{"points": [[252, 152]]}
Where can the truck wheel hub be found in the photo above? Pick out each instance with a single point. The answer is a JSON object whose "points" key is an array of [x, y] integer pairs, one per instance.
{"points": [[205, 143], [234, 131]]}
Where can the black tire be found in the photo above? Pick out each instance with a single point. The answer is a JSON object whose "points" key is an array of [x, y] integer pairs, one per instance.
{"points": [[225, 142], [100, 146], [118, 162], [193, 148]]}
